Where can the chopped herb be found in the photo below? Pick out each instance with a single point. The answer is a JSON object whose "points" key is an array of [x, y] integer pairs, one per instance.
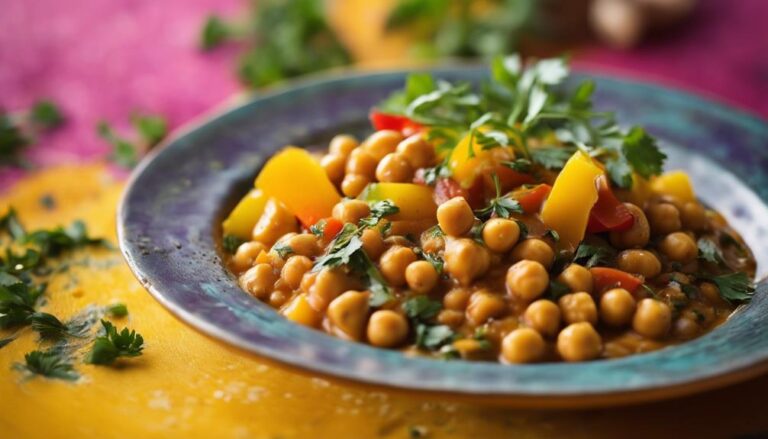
{"points": [[47, 325], [593, 255], [11, 224], [649, 290], [113, 345], [5, 341], [48, 202], [734, 287], [215, 32], [502, 207], [552, 157], [552, 233], [690, 291], [431, 175], [417, 432], [230, 243], [379, 210], [700, 317], [522, 165], [557, 290], [709, 251], [50, 364], [150, 130], [421, 308], [46, 115], [727, 240], [124, 153], [523, 229], [433, 337], [117, 310], [19, 130], [54, 241], [283, 250], [17, 300], [432, 258], [318, 228], [435, 232]]}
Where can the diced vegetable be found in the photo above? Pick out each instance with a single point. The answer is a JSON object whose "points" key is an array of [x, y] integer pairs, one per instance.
{"points": [[605, 278], [383, 121], [447, 188], [300, 311], [299, 182], [244, 216], [466, 166], [675, 183], [532, 199], [608, 214], [414, 200], [573, 195]]}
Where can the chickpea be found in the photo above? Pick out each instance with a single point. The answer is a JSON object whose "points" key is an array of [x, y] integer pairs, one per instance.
{"points": [[576, 278], [342, 145], [394, 168], [387, 329], [417, 151], [278, 298], [466, 260], [693, 216], [353, 184], [500, 234], [394, 262], [640, 262], [543, 316], [679, 247], [351, 211], [664, 218], [362, 163], [382, 143], [275, 222], [373, 243], [711, 293], [307, 281], [483, 306], [421, 276], [433, 244], [578, 307], [259, 280], [294, 269], [534, 250], [245, 255], [617, 306], [457, 299], [638, 235], [327, 286], [579, 342], [455, 217], [686, 328], [527, 280], [652, 319], [523, 345], [348, 313], [334, 167], [304, 244], [450, 317]]}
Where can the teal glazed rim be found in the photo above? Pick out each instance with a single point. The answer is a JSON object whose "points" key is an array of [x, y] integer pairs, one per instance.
{"points": [[168, 226]]}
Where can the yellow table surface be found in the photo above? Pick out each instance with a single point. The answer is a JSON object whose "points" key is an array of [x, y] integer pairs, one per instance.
{"points": [[187, 385]]}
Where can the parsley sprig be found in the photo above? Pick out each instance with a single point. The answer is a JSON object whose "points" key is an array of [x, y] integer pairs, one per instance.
{"points": [[734, 287], [499, 206], [113, 345], [49, 363]]}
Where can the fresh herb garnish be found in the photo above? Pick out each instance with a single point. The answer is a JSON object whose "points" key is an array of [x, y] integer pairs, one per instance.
{"points": [[421, 308], [552, 233], [215, 32], [17, 300], [318, 228], [734, 287], [556, 290], [379, 210], [230, 243], [433, 337], [283, 250], [591, 255], [552, 157], [117, 310], [521, 165], [113, 345], [150, 130], [19, 130], [47, 325], [500, 206], [432, 258], [50, 364], [709, 251]]}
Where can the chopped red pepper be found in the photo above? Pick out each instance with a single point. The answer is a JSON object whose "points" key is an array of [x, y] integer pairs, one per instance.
{"points": [[447, 188], [331, 229], [608, 213], [383, 121], [532, 199], [508, 178], [605, 278]]}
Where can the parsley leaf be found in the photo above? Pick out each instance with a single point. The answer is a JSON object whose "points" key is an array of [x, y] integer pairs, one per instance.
{"points": [[432, 258], [734, 287], [54, 241], [117, 310], [590, 255], [50, 364], [433, 337], [47, 325], [318, 228], [502, 207], [642, 153], [46, 114], [421, 308], [283, 250], [215, 32], [379, 210], [552, 157], [113, 345]]}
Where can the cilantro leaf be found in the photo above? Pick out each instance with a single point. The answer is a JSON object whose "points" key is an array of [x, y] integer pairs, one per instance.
{"points": [[421, 308], [709, 251], [734, 287], [502, 207], [50, 364], [433, 337], [318, 228], [591, 255], [283, 250], [552, 157], [379, 210], [117, 310], [113, 345], [642, 153]]}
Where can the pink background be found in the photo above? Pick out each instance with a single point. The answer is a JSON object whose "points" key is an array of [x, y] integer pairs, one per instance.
{"points": [[106, 59]]}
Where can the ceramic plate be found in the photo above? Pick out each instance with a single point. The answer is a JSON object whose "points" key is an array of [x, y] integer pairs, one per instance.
{"points": [[169, 232]]}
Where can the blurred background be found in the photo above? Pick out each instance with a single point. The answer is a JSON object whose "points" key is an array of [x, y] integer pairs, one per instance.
{"points": [[119, 74]]}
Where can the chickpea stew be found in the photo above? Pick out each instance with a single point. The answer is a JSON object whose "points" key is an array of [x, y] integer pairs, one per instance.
{"points": [[512, 224]]}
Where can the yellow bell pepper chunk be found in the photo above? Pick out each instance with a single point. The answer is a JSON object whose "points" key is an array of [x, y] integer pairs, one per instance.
{"points": [[414, 200], [574, 193], [298, 181], [675, 183], [466, 167], [301, 312], [641, 191], [244, 216]]}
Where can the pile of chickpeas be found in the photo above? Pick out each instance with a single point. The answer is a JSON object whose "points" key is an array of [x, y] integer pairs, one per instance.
{"points": [[495, 278]]}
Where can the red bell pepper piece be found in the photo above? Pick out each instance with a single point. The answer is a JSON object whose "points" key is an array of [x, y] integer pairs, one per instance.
{"points": [[447, 188], [383, 121], [605, 278], [331, 228], [532, 199], [608, 213]]}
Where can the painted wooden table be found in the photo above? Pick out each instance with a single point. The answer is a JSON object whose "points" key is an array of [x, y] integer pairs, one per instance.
{"points": [[186, 385]]}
